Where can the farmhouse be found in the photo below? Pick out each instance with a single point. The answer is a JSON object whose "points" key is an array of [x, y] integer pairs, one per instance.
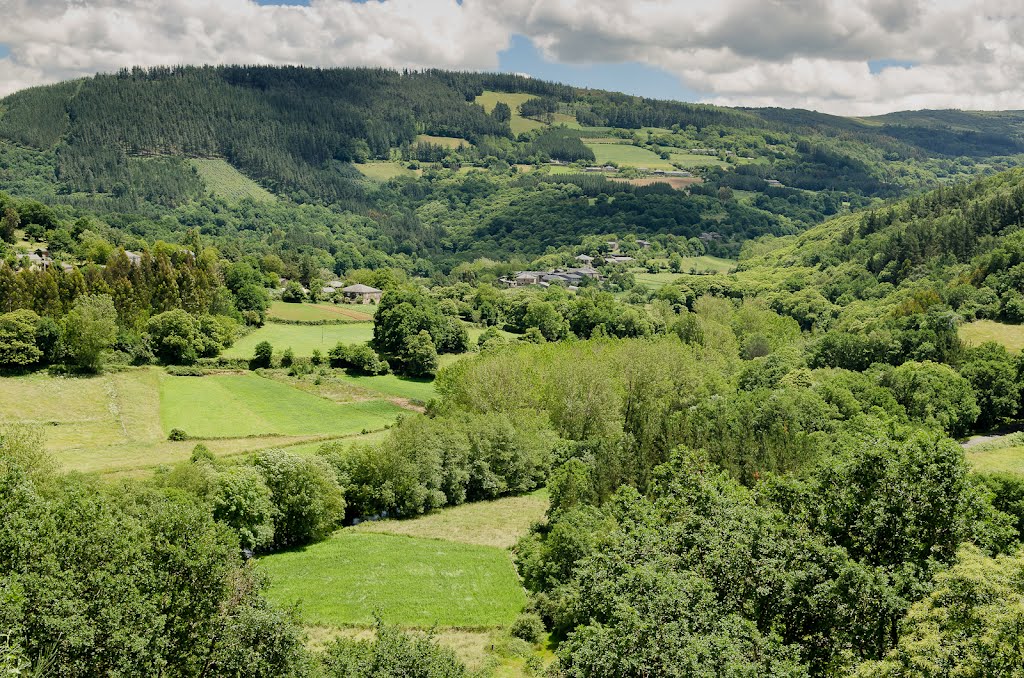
{"points": [[134, 257], [570, 277], [362, 294], [585, 259], [644, 244], [40, 260], [774, 183]]}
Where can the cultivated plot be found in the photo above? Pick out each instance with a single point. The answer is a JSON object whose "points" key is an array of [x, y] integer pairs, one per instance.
{"points": [[314, 312]]}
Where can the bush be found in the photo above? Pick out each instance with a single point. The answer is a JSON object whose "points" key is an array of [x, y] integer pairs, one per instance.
{"points": [[263, 355], [288, 357], [185, 371], [529, 627], [359, 357], [177, 434], [309, 504]]}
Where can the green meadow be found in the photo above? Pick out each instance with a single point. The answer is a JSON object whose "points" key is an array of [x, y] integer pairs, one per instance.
{"points": [[302, 339], [226, 182], [447, 142], [980, 331], [314, 312], [239, 405], [115, 422], [627, 155], [384, 171], [420, 390], [415, 582], [518, 123]]}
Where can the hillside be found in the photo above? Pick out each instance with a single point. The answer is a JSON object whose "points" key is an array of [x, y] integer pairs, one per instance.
{"points": [[427, 165]]}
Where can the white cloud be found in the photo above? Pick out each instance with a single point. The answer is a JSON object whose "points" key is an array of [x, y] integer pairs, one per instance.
{"points": [[806, 53]]}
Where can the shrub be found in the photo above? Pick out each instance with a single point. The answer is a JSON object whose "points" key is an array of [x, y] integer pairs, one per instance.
{"points": [[308, 501], [185, 371], [359, 357], [288, 357], [529, 627], [177, 434], [263, 355]]}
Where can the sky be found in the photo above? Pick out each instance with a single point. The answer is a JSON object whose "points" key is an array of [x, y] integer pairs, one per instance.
{"points": [[848, 57]]}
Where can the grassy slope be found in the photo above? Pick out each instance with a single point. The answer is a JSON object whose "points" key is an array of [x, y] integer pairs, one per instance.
{"points": [[312, 312], [302, 339], [628, 155], [389, 384], [226, 182], [383, 171], [408, 581], [110, 423], [978, 332], [236, 405], [447, 142], [518, 123], [487, 523]]}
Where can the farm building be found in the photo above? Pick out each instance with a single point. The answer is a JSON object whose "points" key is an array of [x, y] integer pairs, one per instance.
{"points": [[362, 294], [585, 259]]}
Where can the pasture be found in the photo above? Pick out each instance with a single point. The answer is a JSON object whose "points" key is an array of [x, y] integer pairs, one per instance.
{"points": [[226, 182], [302, 339], [111, 423], [627, 155], [409, 581], [447, 142], [420, 390], [239, 405], [980, 331], [704, 263], [518, 123], [314, 312], [385, 171], [678, 183], [497, 523], [689, 160], [995, 459]]}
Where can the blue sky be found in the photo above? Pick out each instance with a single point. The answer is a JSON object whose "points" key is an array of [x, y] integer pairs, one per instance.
{"points": [[631, 78], [4, 50]]}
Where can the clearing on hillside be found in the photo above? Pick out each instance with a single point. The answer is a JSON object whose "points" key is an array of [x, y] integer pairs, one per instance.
{"points": [[627, 155], [302, 339], [237, 405], [497, 523], [518, 123], [314, 312], [678, 183], [411, 582], [980, 331], [447, 142], [226, 182], [384, 171]]}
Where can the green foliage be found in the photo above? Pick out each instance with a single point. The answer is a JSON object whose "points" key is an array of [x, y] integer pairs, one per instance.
{"points": [[969, 625], [263, 356], [308, 502], [90, 328], [418, 356], [18, 339], [529, 627], [358, 357], [934, 394], [392, 654], [144, 582], [992, 373]]}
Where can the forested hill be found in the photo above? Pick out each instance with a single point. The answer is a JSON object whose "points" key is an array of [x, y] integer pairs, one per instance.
{"points": [[436, 167], [953, 253], [297, 129]]}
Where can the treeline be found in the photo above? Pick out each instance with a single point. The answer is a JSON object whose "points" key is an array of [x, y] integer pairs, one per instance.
{"points": [[606, 109]]}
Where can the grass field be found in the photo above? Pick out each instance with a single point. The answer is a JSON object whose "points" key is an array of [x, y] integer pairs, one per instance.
{"points": [[302, 339], [388, 384], [384, 171], [627, 155], [497, 523], [705, 263], [518, 123], [226, 182], [408, 581], [237, 405], [111, 423], [980, 331], [447, 142], [696, 160], [313, 312], [998, 460]]}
